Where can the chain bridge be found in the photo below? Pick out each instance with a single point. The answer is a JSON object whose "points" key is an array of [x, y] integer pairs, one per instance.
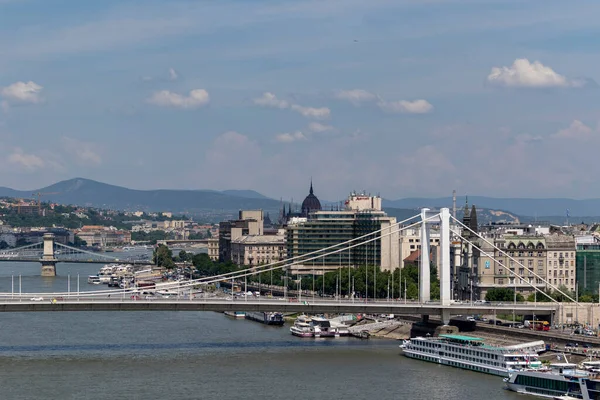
{"points": [[49, 253]]}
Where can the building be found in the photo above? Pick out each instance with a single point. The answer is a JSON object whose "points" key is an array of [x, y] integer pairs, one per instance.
{"points": [[542, 261], [250, 222], [410, 246], [466, 258], [323, 229], [310, 205], [588, 264], [213, 249], [497, 270], [254, 250], [101, 236], [561, 268]]}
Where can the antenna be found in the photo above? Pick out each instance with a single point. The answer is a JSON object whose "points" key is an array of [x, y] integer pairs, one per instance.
{"points": [[454, 203]]}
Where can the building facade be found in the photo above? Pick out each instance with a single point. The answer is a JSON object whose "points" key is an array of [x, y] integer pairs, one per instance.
{"points": [[213, 249], [323, 229], [254, 250], [250, 222], [101, 236]]}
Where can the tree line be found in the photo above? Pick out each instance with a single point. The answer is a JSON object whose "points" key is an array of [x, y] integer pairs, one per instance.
{"points": [[363, 280]]}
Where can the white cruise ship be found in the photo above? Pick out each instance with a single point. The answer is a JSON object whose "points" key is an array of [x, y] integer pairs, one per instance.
{"points": [[472, 353], [561, 381]]}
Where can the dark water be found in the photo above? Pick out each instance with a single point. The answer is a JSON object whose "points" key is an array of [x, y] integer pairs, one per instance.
{"points": [[195, 355]]}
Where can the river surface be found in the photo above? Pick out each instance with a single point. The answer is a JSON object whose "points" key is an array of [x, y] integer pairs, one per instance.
{"points": [[200, 355]]}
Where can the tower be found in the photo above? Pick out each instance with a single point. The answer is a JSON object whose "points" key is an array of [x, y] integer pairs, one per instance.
{"points": [[48, 260]]}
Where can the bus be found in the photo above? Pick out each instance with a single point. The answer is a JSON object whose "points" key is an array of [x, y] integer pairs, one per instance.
{"points": [[537, 325]]}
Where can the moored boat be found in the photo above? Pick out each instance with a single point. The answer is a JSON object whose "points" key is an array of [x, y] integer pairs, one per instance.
{"points": [[472, 353], [267, 318], [301, 327], [560, 381]]}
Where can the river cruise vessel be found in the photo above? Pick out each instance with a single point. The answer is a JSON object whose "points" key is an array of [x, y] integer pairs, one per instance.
{"points": [[561, 381], [472, 353]]}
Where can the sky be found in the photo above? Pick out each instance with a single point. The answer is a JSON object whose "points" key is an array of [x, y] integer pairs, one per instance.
{"points": [[405, 98]]}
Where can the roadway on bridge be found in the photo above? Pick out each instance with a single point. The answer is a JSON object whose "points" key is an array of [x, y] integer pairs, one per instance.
{"points": [[320, 306]]}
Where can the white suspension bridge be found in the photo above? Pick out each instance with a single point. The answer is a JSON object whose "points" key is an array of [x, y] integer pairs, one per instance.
{"points": [[129, 299]]}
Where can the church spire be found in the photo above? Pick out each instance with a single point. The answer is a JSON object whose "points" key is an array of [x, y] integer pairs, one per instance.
{"points": [[311, 188]]}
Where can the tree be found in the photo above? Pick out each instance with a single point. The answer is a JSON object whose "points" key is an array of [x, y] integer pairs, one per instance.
{"points": [[502, 294], [78, 242], [3, 245], [203, 263], [586, 298], [163, 257], [184, 257]]}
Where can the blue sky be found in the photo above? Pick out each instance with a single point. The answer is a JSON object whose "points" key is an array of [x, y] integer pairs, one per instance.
{"points": [[403, 98]]}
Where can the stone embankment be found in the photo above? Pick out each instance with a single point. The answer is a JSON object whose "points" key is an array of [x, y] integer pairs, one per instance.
{"points": [[392, 329]]}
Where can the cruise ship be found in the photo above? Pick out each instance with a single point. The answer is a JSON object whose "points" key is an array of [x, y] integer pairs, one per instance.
{"points": [[472, 353], [561, 381]]}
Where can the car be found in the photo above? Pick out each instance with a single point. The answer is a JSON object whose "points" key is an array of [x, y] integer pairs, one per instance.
{"points": [[37, 299], [588, 346]]}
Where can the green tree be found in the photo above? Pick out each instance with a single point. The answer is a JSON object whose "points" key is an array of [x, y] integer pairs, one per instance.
{"points": [[202, 263], [183, 256], [3, 245], [502, 294], [586, 298], [163, 257]]}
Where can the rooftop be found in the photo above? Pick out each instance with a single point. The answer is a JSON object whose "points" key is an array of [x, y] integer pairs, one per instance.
{"points": [[462, 338]]}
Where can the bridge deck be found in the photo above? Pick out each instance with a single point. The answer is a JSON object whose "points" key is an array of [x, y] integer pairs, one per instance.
{"points": [[317, 307]]}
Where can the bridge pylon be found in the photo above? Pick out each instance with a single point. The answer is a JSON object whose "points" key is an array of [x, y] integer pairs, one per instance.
{"points": [[48, 260]]}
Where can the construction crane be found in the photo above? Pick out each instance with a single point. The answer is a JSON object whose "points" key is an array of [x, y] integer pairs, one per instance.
{"points": [[39, 199]]}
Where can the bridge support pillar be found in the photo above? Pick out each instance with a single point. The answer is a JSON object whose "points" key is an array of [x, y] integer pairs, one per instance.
{"points": [[48, 260], [424, 273], [444, 263], [445, 316]]}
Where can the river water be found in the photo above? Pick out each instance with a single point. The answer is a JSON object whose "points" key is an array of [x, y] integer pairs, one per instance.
{"points": [[200, 355]]}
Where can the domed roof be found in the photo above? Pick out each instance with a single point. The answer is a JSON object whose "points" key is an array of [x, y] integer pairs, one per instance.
{"points": [[310, 203]]}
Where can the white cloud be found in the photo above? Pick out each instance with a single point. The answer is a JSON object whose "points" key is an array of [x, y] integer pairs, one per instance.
{"points": [[197, 98], [523, 73], [290, 137], [355, 96], [268, 99], [407, 107], [318, 127], [27, 162], [173, 75], [576, 131], [22, 92], [312, 112], [85, 153]]}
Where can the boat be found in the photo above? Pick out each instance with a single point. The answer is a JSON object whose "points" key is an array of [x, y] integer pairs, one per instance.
{"points": [[268, 318], [302, 327], [560, 381], [93, 279], [472, 353], [321, 327], [236, 314]]}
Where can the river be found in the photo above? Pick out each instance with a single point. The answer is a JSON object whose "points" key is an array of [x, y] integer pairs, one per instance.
{"points": [[200, 355]]}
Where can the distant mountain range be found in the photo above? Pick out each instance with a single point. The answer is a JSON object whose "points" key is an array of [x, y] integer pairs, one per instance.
{"points": [[535, 208], [86, 192]]}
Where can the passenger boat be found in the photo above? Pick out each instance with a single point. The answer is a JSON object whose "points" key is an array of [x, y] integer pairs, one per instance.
{"points": [[93, 280], [472, 353], [561, 381], [267, 318], [302, 327]]}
